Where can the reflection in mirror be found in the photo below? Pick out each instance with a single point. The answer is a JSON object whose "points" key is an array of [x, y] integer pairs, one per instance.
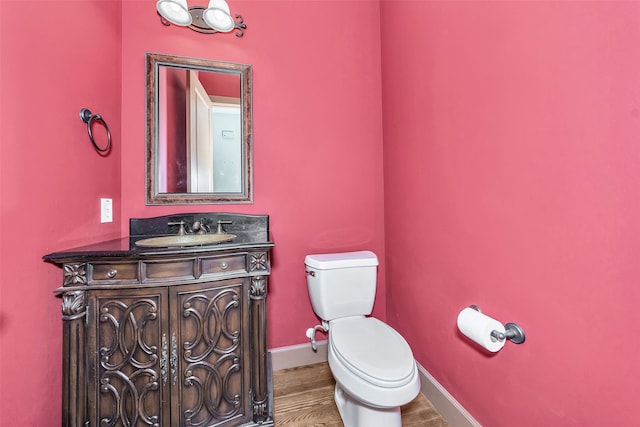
{"points": [[199, 146]]}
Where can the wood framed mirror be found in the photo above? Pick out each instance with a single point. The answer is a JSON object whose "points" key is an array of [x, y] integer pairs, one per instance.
{"points": [[199, 131]]}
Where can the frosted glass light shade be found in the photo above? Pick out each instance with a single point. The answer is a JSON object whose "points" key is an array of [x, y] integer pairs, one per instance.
{"points": [[218, 17], [174, 11]]}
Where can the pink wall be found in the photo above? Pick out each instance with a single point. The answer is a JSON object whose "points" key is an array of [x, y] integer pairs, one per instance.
{"points": [[317, 133], [512, 181], [51, 179]]}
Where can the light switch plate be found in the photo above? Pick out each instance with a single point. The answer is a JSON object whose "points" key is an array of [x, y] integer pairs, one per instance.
{"points": [[106, 210]]}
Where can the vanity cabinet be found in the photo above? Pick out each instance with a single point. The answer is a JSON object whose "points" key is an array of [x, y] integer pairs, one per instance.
{"points": [[165, 337]]}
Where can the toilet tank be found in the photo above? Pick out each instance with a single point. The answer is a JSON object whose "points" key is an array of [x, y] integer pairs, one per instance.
{"points": [[342, 284]]}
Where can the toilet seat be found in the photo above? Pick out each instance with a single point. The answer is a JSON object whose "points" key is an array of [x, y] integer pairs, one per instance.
{"points": [[373, 351]]}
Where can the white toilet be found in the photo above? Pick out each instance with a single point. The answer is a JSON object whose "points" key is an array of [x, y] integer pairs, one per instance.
{"points": [[372, 364]]}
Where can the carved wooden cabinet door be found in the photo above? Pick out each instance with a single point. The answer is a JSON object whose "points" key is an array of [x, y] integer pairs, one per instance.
{"points": [[170, 356], [210, 337], [128, 357]]}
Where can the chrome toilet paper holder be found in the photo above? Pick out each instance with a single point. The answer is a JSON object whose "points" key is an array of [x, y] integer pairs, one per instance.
{"points": [[513, 332]]}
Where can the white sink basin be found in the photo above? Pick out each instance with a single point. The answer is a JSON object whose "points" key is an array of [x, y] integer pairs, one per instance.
{"points": [[185, 240]]}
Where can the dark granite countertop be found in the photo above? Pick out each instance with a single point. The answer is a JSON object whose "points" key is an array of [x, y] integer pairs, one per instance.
{"points": [[251, 231]]}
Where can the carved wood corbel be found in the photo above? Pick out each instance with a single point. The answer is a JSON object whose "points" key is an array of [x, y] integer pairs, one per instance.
{"points": [[73, 305]]}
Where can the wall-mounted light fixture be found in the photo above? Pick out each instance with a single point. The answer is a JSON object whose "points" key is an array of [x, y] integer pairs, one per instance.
{"points": [[216, 18]]}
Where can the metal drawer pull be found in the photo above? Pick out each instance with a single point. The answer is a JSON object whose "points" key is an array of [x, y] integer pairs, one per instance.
{"points": [[224, 265], [112, 273]]}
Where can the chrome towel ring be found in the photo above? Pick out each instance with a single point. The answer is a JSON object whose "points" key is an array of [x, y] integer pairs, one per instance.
{"points": [[88, 117]]}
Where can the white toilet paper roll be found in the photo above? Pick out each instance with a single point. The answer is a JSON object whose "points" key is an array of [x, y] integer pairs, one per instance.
{"points": [[478, 327]]}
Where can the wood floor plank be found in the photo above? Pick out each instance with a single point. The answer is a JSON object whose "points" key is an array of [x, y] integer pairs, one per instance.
{"points": [[303, 397]]}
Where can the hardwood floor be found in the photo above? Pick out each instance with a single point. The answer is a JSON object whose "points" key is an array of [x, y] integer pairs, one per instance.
{"points": [[303, 397]]}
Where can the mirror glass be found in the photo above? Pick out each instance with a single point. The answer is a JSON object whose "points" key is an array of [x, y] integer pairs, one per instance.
{"points": [[199, 147]]}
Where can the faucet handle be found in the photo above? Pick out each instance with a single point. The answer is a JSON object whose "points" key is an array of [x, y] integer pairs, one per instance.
{"points": [[181, 231], [220, 229]]}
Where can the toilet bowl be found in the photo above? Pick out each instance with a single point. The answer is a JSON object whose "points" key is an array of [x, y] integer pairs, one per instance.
{"points": [[372, 364], [374, 370]]}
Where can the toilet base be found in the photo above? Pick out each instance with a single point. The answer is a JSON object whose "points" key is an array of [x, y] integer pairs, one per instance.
{"points": [[356, 414]]}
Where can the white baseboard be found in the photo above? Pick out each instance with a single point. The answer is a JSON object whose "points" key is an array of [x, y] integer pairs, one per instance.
{"points": [[445, 404], [298, 355], [302, 354]]}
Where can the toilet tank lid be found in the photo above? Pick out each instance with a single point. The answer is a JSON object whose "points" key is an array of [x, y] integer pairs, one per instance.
{"points": [[341, 260]]}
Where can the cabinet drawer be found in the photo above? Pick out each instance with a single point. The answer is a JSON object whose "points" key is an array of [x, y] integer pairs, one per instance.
{"points": [[125, 272], [168, 270], [227, 264]]}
